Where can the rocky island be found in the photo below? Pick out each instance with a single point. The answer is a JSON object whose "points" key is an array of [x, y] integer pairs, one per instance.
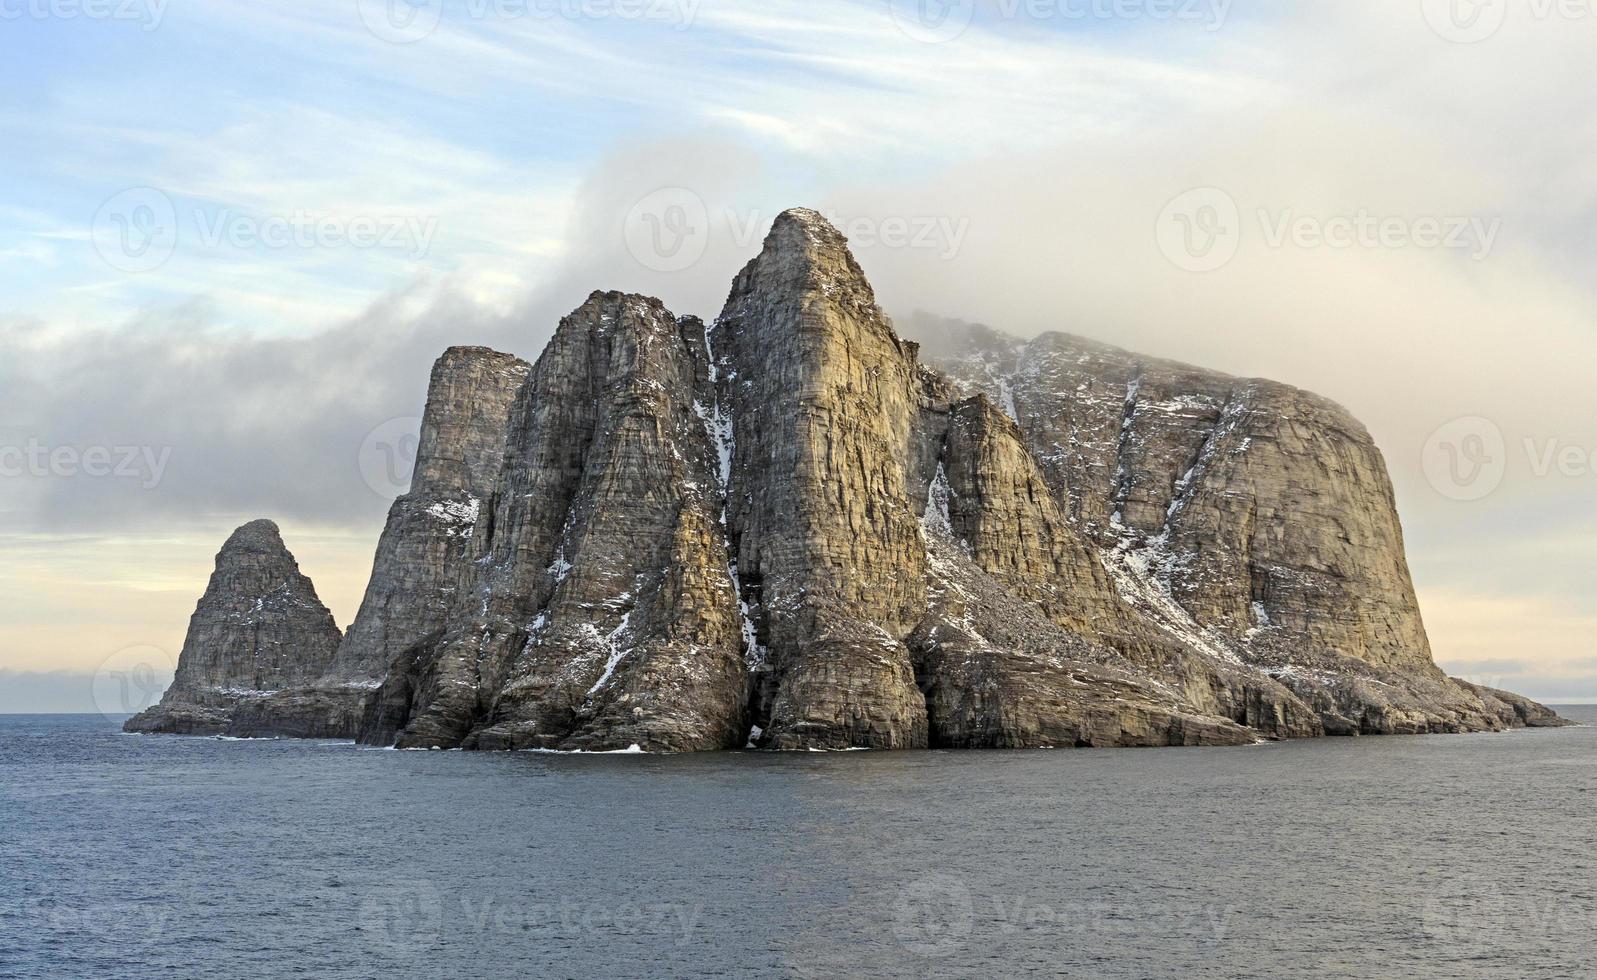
{"points": [[793, 529]]}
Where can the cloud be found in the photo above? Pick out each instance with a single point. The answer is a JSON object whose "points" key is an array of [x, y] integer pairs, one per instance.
{"points": [[237, 423], [1040, 155]]}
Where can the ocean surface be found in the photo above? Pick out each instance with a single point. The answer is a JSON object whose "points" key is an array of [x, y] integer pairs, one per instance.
{"points": [[155, 856]]}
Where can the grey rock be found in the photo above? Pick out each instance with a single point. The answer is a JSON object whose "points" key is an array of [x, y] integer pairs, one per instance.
{"points": [[603, 612], [786, 530], [1253, 521], [258, 629], [428, 540]]}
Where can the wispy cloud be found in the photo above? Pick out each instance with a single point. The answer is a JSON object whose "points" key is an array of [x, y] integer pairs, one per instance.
{"points": [[1050, 145]]}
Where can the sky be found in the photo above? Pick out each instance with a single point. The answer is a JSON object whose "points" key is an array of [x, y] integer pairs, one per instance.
{"points": [[234, 235]]}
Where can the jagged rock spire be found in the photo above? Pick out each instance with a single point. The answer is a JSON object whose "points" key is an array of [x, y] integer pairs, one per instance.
{"points": [[786, 530], [259, 628]]}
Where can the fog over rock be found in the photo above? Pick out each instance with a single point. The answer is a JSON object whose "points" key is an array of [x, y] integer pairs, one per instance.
{"points": [[787, 529]]}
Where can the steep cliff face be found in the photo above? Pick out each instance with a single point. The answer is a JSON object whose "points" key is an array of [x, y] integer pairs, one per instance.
{"points": [[1255, 518], [258, 629], [603, 612], [821, 395], [428, 541], [785, 530], [423, 557]]}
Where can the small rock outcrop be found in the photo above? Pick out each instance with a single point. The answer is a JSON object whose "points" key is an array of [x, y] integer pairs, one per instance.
{"points": [[788, 530], [259, 629]]}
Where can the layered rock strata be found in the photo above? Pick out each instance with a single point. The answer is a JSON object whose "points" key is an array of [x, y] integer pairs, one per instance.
{"points": [[258, 629], [785, 530]]}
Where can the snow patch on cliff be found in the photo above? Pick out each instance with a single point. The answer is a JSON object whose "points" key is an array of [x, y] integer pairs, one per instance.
{"points": [[718, 426], [617, 652], [461, 515], [1141, 576]]}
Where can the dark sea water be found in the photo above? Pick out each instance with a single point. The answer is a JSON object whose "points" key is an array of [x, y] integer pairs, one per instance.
{"points": [[151, 856]]}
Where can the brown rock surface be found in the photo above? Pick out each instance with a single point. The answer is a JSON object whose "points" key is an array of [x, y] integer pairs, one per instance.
{"points": [[786, 529]]}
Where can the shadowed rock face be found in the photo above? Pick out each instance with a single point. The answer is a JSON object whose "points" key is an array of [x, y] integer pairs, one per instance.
{"points": [[259, 629], [786, 530], [428, 539], [602, 612]]}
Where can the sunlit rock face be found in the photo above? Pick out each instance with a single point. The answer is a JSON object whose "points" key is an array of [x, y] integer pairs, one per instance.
{"points": [[789, 529]]}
